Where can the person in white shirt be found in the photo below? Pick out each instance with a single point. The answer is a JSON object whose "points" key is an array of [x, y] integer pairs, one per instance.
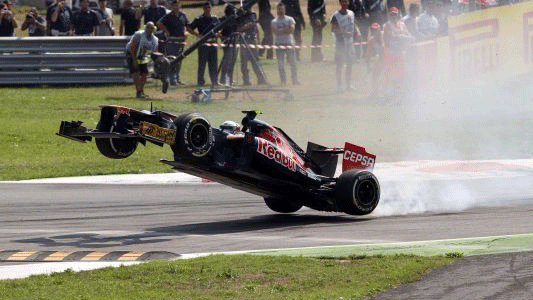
{"points": [[106, 27], [428, 25], [138, 54], [283, 28], [344, 27]]}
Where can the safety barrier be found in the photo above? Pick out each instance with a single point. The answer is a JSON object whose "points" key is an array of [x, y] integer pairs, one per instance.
{"points": [[63, 60]]}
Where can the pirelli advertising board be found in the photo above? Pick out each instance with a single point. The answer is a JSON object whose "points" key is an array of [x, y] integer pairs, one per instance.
{"points": [[482, 46]]}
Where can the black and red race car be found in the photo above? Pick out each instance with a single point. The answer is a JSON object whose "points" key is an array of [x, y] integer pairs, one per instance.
{"points": [[258, 158]]}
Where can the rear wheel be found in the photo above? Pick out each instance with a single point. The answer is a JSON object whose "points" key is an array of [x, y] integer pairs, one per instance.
{"points": [[113, 148], [357, 192], [282, 205], [194, 137]]}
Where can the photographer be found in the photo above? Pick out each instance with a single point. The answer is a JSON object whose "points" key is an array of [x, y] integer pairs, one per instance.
{"points": [[34, 23], [7, 20], [249, 27], [59, 16]]}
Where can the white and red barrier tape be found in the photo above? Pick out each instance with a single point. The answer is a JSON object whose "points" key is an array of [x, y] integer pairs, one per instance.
{"points": [[267, 47]]}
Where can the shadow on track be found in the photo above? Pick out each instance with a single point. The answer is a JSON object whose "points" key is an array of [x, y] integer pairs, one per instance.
{"points": [[266, 222], [164, 234]]}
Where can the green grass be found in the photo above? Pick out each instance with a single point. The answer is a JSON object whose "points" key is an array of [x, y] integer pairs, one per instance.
{"points": [[231, 277], [30, 117]]}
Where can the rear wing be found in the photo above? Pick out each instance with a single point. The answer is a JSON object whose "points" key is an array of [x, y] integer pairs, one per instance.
{"points": [[353, 157], [356, 157]]}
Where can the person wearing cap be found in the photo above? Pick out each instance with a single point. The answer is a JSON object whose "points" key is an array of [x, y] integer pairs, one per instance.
{"points": [[138, 50], [396, 38], [399, 5], [207, 54], [174, 25], [107, 26], [344, 28]]}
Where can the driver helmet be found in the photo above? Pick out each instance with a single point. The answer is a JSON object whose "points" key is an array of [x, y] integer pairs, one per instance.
{"points": [[230, 126]]}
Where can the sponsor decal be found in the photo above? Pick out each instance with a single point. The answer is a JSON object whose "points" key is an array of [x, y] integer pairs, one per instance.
{"points": [[474, 48], [356, 157], [270, 151], [165, 135]]}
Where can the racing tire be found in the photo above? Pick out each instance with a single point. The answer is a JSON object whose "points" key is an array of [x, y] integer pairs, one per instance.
{"points": [[194, 137], [113, 148], [357, 192], [282, 205]]}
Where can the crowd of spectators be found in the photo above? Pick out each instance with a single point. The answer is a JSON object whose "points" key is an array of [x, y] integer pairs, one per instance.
{"points": [[357, 27]]}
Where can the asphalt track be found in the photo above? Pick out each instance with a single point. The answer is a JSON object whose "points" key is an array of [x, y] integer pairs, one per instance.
{"points": [[421, 202]]}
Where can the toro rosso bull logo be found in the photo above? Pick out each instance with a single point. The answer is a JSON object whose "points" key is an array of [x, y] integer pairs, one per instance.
{"points": [[268, 149], [356, 157]]}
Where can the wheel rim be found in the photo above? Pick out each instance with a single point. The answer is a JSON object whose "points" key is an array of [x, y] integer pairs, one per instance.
{"points": [[365, 193], [199, 136]]}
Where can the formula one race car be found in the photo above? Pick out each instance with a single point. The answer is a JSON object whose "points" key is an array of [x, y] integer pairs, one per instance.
{"points": [[258, 158]]}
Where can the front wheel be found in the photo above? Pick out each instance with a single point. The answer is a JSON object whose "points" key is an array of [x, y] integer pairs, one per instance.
{"points": [[194, 137], [113, 148], [357, 192], [282, 205]]}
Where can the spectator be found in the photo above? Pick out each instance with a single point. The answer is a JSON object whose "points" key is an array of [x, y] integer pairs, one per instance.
{"points": [[107, 25], [206, 54], [343, 26], [128, 23], [317, 17], [428, 25], [265, 20], [250, 29], [34, 23], [152, 13], [292, 9], [410, 19], [85, 21], [174, 25], [138, 51], [359, 10], [375, 53], [375, 12], [283, 28], [59, 17], [230, 51], [396, 37], [399, 5], [8, 23]]}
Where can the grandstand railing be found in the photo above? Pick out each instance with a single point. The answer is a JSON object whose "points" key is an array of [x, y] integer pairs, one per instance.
{"points": [[63, 60]]}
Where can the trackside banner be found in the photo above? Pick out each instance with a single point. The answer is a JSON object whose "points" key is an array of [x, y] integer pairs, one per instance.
{"points": [[482, 46]]}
